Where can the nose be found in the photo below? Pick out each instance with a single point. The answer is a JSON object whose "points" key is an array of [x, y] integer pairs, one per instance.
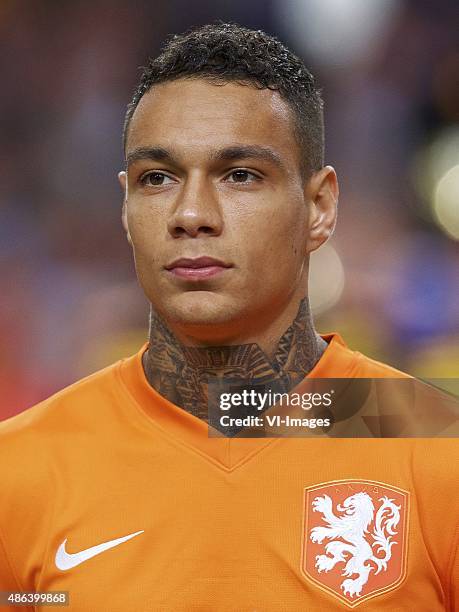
{"points": [[196, 211]]}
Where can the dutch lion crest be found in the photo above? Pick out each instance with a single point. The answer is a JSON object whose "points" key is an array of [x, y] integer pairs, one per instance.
{"points": [[351, 542]]}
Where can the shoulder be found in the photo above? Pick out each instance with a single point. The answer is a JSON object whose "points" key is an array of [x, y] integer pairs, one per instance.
{"points": [[392, 403], [65, 411], [340, 361], [370, 368], [406, 406], [59, 436]]}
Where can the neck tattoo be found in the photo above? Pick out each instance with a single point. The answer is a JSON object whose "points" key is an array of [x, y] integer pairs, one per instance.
{"points": [[180, 373]]}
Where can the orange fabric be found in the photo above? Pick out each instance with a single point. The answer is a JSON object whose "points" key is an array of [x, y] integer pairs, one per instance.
{"points": [[222, 521]]}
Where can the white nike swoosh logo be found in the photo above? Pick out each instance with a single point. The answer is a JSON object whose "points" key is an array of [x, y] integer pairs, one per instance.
{"points": [[65, 561]]}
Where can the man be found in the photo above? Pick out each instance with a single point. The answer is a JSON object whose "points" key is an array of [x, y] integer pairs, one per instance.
{"points": [[113, 489]]}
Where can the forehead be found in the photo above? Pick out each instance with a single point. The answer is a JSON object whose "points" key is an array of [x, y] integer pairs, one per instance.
{"points": [[196, 114]]}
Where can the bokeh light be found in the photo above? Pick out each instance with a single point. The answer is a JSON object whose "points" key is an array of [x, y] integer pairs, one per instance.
{"points": [[432, 162], [338, 32], [446, 202]]}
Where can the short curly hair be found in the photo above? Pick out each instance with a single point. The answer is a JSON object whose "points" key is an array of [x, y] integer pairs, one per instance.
{"points": [[224, 52]]}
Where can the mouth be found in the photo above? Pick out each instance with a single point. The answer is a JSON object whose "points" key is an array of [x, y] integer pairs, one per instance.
{"points": [[197, 269]]}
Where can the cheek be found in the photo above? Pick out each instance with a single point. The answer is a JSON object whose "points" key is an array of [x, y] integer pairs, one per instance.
{"points": [[146, 249], [277, 237], [144, 228]]}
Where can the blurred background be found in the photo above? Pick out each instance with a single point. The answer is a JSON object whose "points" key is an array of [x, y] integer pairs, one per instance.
{"points": [[389, 279]]}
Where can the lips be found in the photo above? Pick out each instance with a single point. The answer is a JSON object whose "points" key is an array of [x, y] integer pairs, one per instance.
{"points": [[197, 269]]}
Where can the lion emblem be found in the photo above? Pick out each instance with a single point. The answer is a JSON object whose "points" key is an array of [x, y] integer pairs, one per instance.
{"points": [[352, 542]]}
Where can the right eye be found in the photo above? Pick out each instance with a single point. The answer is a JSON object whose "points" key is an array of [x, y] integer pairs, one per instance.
{"points": [[155, 179]]}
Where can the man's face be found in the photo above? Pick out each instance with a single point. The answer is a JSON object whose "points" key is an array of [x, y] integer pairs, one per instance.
{"points": [[214, 172]]}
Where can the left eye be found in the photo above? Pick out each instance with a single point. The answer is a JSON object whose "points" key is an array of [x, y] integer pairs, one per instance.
{"points": [[155, 179], [241, 176]]}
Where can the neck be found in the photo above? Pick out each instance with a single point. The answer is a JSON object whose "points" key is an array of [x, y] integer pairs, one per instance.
{"points": [[180, 373]]}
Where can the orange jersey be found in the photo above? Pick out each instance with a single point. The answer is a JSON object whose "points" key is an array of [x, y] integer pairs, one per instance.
{"points": [[112, 493]]}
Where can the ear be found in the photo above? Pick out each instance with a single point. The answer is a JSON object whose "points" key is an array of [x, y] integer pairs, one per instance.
{"points": [[122, 178], [322, 195]]}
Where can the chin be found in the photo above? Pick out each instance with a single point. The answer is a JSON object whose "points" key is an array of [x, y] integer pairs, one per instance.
{"points": [[201, 311]]}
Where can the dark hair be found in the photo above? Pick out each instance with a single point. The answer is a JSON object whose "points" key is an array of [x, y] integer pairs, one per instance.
{"points": [[225, 52]]}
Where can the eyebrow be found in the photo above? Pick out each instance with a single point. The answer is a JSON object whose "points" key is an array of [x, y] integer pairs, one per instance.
{"points": [[249, 152], [151, 153], [227, 154]]}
